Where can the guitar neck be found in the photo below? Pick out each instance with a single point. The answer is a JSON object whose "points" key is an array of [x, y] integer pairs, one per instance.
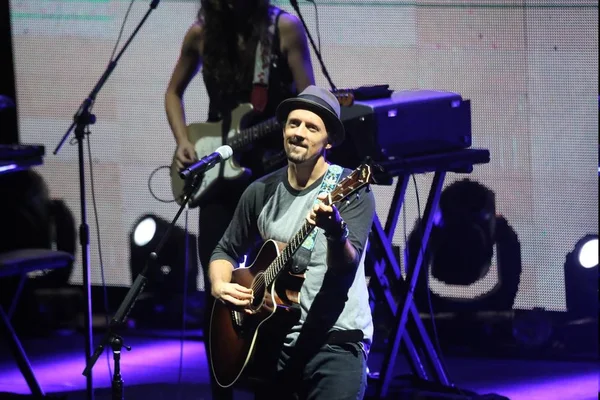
{"points": [[281, 261], [249, 135]]}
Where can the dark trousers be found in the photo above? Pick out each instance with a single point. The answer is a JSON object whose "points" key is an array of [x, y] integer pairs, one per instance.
{"points": [[334, 372]]}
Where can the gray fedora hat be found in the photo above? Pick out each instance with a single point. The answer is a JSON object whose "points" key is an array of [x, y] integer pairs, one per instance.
{"points": [[323, 103]]}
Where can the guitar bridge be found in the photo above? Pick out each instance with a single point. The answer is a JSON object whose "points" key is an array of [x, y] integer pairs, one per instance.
{"points": [[238, 319]]}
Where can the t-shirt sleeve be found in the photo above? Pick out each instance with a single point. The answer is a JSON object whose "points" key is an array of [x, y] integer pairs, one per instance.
{"points": [[358, 211], [242, 232]]}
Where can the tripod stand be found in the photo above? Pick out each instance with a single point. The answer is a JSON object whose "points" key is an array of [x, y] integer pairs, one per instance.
{"points": [[111, 338], [81, 121]]}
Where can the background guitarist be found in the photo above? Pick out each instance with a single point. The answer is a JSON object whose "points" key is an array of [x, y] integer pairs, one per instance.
{"points": [[248, 51], [324, 355]]}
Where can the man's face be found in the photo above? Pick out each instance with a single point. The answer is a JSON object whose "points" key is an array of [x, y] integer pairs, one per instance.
{"points": [[304, 136]]}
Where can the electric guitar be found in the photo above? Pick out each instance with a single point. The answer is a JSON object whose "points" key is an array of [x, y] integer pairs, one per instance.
{"points": [[236, 336], [207, 136]]}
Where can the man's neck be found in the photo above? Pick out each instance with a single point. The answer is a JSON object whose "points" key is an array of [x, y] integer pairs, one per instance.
{"points": [[301, 176]]}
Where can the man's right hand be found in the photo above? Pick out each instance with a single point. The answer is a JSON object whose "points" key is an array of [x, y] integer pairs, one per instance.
{"points": [[233, 293], [185, 154]]}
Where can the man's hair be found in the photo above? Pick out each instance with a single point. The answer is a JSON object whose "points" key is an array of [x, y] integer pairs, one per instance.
{"points": [[222, 61]]}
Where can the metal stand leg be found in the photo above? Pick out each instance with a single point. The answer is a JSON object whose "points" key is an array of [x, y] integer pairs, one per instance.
{"points": [[20, 357], [402, 317]]}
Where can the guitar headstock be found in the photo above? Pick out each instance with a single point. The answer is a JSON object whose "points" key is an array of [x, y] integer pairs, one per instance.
{"points": [[344, 96], [358, 178]]}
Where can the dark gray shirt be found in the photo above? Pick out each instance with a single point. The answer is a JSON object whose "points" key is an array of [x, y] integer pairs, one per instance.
{"points": [[271, 209]]}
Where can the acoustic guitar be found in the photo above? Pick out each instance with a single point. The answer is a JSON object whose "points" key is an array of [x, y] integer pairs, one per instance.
{"points": [[234, 333]]}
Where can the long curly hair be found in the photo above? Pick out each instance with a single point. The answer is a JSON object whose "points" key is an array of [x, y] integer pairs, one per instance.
{"points": [[225, 62]]}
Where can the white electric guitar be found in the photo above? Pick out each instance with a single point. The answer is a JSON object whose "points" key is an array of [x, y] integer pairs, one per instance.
{"points": [[207, 136]]}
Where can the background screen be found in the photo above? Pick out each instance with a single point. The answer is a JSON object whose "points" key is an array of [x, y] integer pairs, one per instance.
{"points": [[530, 69]]}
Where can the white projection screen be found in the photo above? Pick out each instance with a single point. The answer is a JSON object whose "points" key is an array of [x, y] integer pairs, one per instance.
{"points": [[530, 69]]}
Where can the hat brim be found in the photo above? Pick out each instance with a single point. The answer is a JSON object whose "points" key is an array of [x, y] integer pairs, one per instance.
{"points": [[334, 126]]}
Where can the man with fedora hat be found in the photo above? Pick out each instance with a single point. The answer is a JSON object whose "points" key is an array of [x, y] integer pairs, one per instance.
{"points": [[324, 354]]}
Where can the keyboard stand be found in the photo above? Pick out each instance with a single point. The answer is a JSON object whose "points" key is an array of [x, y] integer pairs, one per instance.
{"points": [[383, 257]]}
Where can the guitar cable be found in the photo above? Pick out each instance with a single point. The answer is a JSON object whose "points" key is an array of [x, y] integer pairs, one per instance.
{"points": [[184, 305], [150, 185], [94, 203], [101, 260]]}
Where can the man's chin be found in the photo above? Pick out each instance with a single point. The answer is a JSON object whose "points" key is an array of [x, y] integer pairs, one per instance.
{"points": [[295, 159]]}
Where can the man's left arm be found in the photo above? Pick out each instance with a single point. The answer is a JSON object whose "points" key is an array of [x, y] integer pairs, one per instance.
{"points": [[295, 47], [346, 228]]}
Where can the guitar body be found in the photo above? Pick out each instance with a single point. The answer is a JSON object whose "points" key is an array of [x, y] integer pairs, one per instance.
{"points": [[234, 334], [208, 136]]}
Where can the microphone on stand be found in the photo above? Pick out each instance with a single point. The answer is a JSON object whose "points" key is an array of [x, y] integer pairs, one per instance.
{"points": [[205, 163]]}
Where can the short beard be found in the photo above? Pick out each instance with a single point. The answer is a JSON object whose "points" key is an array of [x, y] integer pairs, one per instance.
{"points": [[302, 159]]}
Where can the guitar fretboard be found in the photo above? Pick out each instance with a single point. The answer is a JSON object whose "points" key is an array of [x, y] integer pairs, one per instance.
{"points": [[280, 262], [249, 135]]}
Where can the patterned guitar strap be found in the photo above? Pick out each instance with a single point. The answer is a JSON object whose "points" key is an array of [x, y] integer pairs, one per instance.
{"points": [[262, 65], [302, 256]]}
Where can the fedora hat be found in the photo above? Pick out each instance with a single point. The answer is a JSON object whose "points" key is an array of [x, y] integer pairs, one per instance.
{"points": [[323, 103]]}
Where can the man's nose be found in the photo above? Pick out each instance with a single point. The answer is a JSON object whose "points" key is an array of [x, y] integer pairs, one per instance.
{"points": [[300, 129]]}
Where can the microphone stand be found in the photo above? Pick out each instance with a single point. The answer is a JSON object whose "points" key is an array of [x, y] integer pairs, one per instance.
{"points": [[81, 121], [111, 338], [312, 42]]}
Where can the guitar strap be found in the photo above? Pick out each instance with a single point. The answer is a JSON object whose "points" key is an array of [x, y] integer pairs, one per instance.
{"points": [[262, 64], [303, 254]]}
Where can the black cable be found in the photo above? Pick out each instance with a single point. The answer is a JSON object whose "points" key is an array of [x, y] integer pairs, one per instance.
{"points": [[428, 290], [296, 7], [121, 31], [104, 292], [93, 193], [317, 23], [150, 186], [184, 307]]}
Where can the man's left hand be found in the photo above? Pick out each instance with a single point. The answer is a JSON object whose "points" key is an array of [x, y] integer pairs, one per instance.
{"points": [[325, 217]]}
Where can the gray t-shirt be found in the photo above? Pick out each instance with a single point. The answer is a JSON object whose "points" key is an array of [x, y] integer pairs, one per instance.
{"points": [[271, 209]]}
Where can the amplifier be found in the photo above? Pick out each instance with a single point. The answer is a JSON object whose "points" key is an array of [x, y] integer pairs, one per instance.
{"points": [[408, 123]]}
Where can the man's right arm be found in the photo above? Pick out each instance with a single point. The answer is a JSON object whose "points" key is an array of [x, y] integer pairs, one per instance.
{"points": [[220, 272], [186, 68], [240, 235]]}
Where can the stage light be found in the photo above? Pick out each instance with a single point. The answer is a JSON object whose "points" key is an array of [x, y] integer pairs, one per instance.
{"points": [[473, 257], [588, 253], [144, 231], [166, 275], [581, 278]]}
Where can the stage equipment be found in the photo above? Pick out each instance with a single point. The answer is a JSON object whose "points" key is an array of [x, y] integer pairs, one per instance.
{"points": [[111, 339], [581, 278], [411, 122], [31, 220], [385, 271], [168, 276], [24, 215], [82, 119], [18, 157], [466, 238]]}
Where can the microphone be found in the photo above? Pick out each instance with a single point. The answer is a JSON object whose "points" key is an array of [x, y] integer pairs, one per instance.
{"points": [[207, 162]]}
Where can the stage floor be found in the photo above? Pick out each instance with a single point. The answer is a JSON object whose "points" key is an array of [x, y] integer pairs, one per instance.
{"points": [[152, 371]]}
